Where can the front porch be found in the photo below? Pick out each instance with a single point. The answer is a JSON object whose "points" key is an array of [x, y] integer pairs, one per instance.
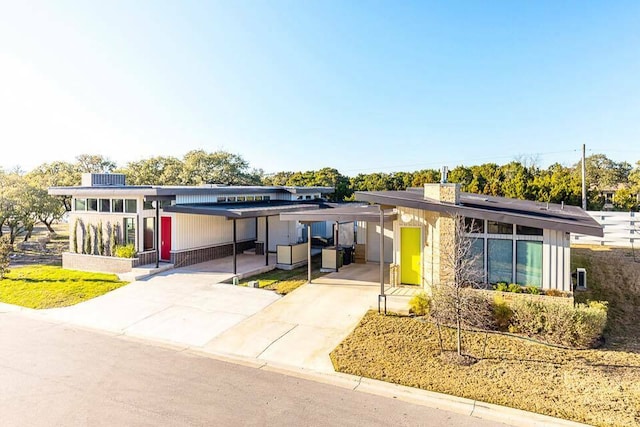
{"points": [[246, 265], [368, 275]]}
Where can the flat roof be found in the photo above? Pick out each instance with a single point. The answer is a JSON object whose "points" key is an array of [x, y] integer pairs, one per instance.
{"points": [[241, 210], [502, 209], [170, 190], [340, 213]]}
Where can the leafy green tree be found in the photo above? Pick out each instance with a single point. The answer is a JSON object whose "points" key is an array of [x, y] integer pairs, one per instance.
{"points": [[425, 176], [463, 176], [325, 177], [625, 200], [16, 205], [94, 163], [516, 180], [55, 174], [154, 171], [220, 167]]}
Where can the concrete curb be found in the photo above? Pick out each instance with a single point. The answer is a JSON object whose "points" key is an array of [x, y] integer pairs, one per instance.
{"points": [[473, 408]]}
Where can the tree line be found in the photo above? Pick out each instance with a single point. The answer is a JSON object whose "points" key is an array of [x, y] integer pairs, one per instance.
{"points": [[24, 200]]}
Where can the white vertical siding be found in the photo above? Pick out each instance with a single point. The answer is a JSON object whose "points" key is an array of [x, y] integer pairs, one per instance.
{"points": [[556, 257], [194, 231], [373, 241], [280, 232], [361, 232]]}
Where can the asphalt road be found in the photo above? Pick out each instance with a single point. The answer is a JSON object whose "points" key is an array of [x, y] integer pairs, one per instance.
{"points": [[54, 374]]}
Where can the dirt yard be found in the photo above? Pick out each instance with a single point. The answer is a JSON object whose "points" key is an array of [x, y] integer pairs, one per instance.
{"points": [[613, 274], [38, 252]]}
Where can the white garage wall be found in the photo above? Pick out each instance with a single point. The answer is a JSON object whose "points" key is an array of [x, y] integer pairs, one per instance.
{"points": [[373, 241], [196, 231], [280, 232]]}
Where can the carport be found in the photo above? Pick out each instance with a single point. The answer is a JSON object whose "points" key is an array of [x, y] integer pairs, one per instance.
{"points": [[341, 214], [236, 211]]}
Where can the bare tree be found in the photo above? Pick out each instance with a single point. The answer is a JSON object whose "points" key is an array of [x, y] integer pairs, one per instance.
{"points": [[454, 301]]}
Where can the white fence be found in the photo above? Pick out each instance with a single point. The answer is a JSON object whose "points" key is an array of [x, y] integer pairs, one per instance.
{"points": [[620, 229]]}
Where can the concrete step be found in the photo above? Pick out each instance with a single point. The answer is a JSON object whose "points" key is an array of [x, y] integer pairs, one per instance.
{"points": [[144, 271]]}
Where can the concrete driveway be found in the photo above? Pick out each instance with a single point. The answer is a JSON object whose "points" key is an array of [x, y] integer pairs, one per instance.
{"points": [[181, 306], [302, 328]]}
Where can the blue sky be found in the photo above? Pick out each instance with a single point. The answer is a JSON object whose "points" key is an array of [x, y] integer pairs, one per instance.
{"points": [[361, 86]]}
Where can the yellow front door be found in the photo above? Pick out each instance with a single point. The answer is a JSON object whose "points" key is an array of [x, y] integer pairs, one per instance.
{"points": [[410, 255]]}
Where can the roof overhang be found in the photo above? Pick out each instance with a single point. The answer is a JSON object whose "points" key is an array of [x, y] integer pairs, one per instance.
{"points": [[528, 213], [349, 213], [236, 210]]}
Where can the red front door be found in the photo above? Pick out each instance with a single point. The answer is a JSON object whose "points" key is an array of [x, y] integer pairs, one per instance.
{"points": [[165, 244]]}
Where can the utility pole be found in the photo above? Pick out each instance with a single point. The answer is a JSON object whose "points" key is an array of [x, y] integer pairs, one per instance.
{"points": [[584, 180]]}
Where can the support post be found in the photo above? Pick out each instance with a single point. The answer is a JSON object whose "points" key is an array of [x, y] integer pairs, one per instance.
{"points": [[235, 260], [309, 252], [266, 240], [337, 243], [157, 232], [584, 179], [382, 296]]}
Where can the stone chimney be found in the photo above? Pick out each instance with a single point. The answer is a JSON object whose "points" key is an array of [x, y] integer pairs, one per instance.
{"points": [[446, 193]]}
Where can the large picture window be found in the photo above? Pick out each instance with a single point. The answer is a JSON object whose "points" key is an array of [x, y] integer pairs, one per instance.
{"points": [[495, 227], [149, 234], [117, 205], [130, 205], [500, 260], [129, 231], [80, 204], [529, 263], [476, 252]]}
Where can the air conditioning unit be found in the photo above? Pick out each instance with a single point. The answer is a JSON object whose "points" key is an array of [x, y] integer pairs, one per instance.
{"points": [[581, 279]]}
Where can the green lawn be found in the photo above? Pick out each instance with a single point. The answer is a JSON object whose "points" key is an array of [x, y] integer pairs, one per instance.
{"points": [[285, 281], [44, 286]]}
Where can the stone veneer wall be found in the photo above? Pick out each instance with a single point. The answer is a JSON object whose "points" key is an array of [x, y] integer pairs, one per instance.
{"points": [[145, 258], [448, 193], [97, 263], [195, 256]]}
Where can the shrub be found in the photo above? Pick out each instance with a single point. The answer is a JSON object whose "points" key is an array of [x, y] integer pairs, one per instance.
{"points": [[5, 250], [559, 323], [501, 287], [100, 239], [419, 304], [74, 236], [533, 290], [555, 293], [528, 317], [590, 320], [126, 251], [515, 288], [502, 314]]}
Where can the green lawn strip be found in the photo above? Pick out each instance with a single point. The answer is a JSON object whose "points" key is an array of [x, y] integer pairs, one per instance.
{"points": [[50, 286], [285, 281], [597, 387]]}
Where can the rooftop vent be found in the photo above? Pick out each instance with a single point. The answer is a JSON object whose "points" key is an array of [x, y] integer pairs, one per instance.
{"points": [[103, 179], [444, 175]]}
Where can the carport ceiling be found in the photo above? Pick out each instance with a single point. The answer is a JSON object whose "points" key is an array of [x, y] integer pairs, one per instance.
{"points": [[340, 214], [241, 210]]}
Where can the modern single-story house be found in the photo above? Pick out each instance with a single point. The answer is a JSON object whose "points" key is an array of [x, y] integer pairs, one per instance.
{"points": [[514, 241], [186, 225]]}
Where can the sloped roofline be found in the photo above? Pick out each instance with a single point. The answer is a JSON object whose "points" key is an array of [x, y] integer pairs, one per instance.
{"points": [[521, 212]]}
